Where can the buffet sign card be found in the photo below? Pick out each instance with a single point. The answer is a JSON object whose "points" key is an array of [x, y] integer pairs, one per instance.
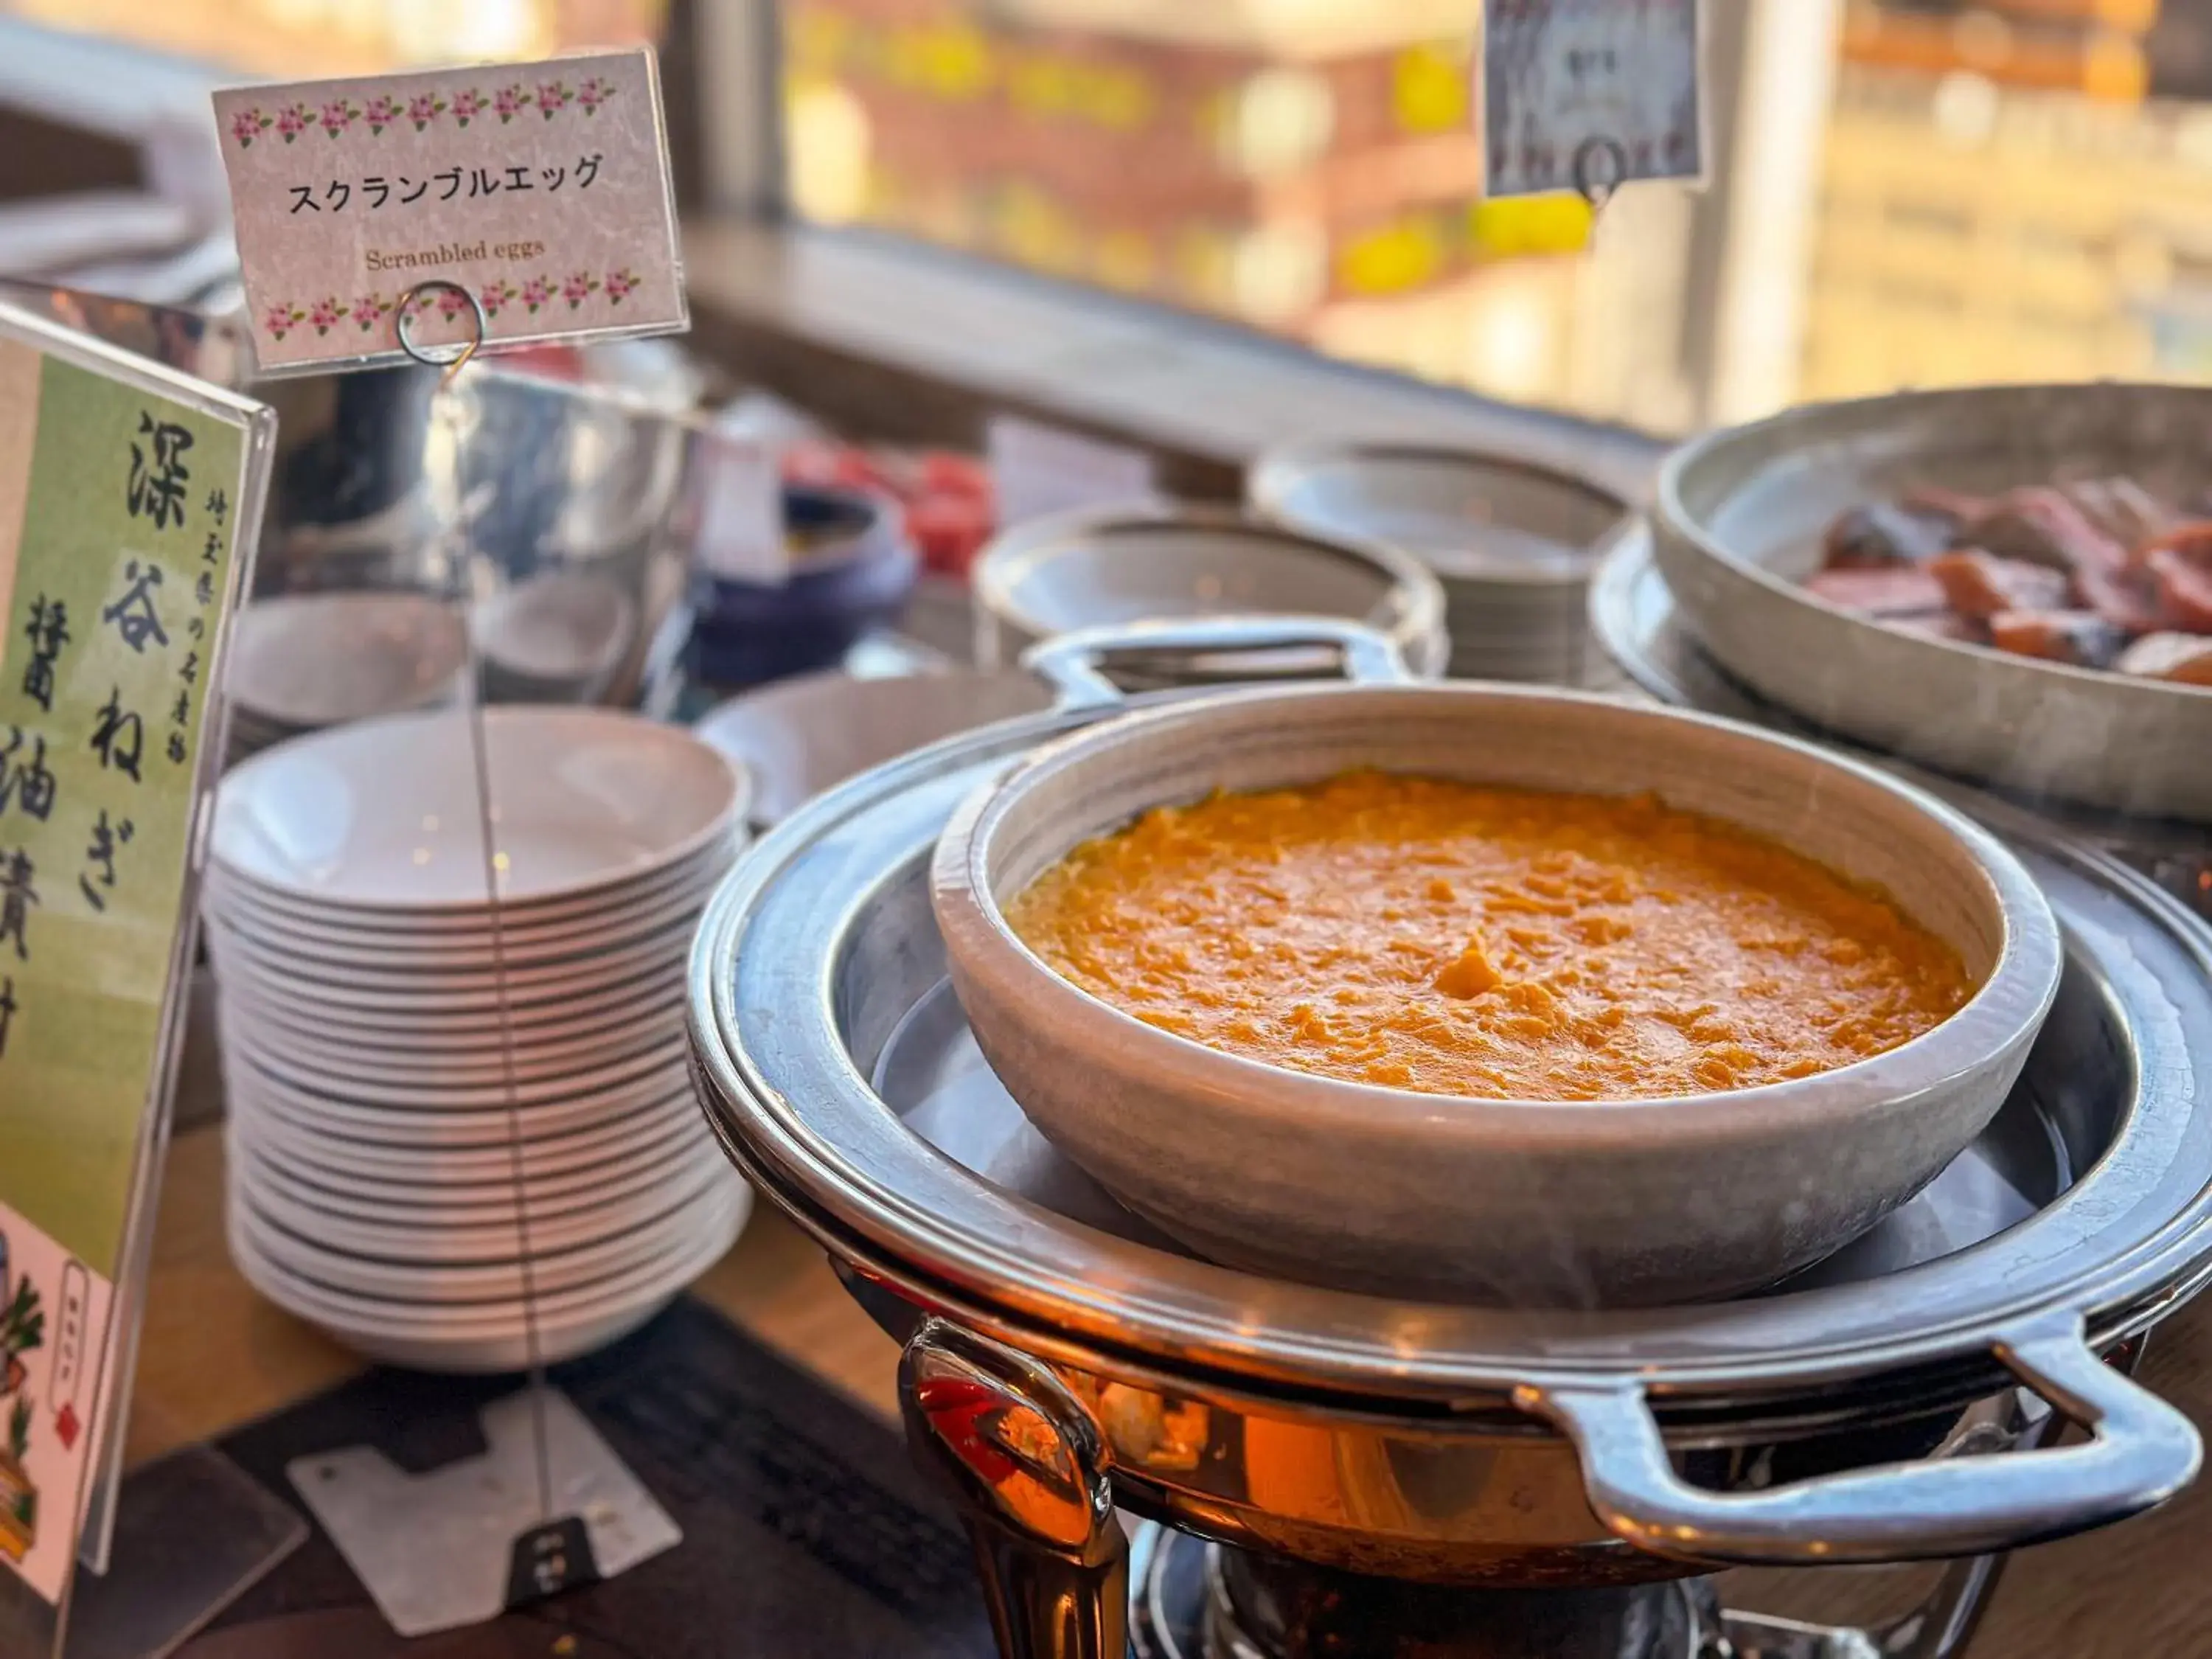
{"points": [[1588, 95], [542, 189], [127, 494]]}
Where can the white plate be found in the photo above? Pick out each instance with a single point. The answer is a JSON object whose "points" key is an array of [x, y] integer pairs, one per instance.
{"points": [[385, 813], [316, 659], [556, 1342], [432, 1126], [669, 938], [473, 927], [564, 1327], [443, 986], [551, 1273], [534, 1052], [415, 1242], [561, 1017], [527, 999], [399, 1064], [605, 1077], [618, 928], [350, 1195], [435, 1171], [415, 1316]]}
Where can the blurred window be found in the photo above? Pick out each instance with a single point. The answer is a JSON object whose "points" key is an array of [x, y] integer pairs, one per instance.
{"points": [[1909, 192], [305, 39]]}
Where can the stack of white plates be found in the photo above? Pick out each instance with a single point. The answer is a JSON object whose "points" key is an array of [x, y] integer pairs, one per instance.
{"points": [[422, 1145], [1514, 544], [305, 661]]}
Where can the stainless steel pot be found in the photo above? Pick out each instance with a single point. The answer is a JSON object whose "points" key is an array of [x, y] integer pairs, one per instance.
{"points": [[1114, 566], [1512, 542], [1448, 1443], [1640, 627]]}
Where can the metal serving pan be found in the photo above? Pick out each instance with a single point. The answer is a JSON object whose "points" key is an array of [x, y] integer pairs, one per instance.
{"points": [[1640, 627], [1739, 516]]}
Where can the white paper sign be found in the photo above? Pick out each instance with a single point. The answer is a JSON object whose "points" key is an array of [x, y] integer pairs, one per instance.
{"points": [[53, 1330], [740, 510], [1587, 96], [1038, 470]]}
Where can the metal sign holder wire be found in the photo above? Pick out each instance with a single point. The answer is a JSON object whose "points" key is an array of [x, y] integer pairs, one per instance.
{"points": [[549, 1506]]}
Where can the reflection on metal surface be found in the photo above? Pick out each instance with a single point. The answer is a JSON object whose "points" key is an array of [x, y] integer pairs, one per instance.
{"points": [[1027, 1466], [528, 496]]}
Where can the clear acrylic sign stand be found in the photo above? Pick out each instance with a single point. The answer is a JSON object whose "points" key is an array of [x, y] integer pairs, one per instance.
{"points": [[130, 503], [536, 487]]}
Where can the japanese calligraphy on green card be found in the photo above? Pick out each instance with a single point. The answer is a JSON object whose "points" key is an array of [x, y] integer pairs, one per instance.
{"points": [[130, 498], [116, 532]]}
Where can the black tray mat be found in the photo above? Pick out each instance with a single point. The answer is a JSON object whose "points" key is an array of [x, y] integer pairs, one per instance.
{"points": [[806, 1533]]}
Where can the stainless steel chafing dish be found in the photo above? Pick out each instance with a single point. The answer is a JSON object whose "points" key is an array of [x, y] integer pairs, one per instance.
{"points": [[1531, 1469]]}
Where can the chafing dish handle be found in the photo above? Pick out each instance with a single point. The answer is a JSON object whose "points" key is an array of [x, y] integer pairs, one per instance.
{"points": [[1072, 663], [1027, 1467], [2141, 1453]]}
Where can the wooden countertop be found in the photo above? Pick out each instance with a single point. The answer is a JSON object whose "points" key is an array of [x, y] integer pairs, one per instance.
{"points": [[215, 1356]]}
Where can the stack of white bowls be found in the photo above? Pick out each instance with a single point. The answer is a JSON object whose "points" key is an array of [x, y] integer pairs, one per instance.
{"points": [[302, 662], [1514, 544], [446, 1119]]}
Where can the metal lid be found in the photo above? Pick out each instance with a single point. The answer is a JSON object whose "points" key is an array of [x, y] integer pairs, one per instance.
{"points": [[819, 956], [1142, 563], [1491, 524]]}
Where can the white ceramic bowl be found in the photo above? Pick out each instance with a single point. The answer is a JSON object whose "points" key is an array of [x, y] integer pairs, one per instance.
{"points": [[557, 636], [383, 814], [1574, 1203], [307, 660]]}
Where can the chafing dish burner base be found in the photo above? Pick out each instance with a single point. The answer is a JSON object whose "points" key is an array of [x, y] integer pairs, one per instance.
{"points": [[1191, 1600]]}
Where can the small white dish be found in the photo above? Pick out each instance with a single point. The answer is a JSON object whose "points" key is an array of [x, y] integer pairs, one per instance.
{"points": [[550, 1272], [285, 932], [401, 1065], [402, 1204], [561, 635], [467, 1170], [544, 1232], [307, 660], [516, 918], [385, 813], [430, 1125], [454, 986]]}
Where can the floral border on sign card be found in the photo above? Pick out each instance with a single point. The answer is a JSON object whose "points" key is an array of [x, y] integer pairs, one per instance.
{"points": [[532, 294], [380, 113]]}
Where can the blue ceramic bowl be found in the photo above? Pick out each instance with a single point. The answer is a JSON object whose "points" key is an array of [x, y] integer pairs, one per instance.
{"points": [[853, 570]]}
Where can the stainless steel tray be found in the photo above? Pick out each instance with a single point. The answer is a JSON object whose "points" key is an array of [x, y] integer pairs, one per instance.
{"points": [[1636, 621]]}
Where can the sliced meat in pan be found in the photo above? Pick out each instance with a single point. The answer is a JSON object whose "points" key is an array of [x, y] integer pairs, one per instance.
{"points": [[1980, 584]]}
